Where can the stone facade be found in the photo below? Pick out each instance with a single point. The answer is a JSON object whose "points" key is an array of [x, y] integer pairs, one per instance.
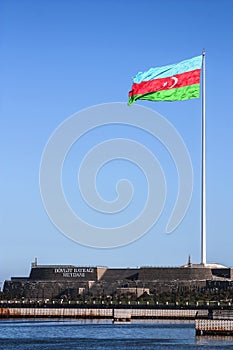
{"points": [[68, 281]]}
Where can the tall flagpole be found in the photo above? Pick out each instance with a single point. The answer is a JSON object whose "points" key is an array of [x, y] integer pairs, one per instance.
{"points": [[203, 182]]}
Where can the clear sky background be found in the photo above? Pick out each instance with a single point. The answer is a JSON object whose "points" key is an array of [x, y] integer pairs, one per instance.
{"points": [[58, 57]]}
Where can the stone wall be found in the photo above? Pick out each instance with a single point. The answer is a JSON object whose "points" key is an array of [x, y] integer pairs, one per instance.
{"points": [[174, 273], [43, 290], [48, 282]]}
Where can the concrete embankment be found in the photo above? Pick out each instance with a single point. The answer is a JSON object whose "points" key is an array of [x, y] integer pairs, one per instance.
{"points": [[219, 322], [104, 313], [214, 327]]}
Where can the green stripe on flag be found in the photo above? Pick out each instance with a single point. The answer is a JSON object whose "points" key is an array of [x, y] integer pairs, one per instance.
{"points": [[182, 93]]}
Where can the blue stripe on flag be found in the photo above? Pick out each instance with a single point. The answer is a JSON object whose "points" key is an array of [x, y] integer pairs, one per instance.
{"points": [[168, 71]]}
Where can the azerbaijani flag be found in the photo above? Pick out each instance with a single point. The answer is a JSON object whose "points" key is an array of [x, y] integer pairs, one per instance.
{"points": [[179, 81]]}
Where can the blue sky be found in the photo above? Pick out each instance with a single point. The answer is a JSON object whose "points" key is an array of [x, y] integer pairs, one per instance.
{"points": [[59, 57]]}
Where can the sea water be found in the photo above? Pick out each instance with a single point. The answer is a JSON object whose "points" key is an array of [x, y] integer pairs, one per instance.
{"points": [[103, 335]]}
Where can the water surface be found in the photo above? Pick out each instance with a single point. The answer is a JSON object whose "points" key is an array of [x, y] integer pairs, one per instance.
{"points": [[103, 335]]}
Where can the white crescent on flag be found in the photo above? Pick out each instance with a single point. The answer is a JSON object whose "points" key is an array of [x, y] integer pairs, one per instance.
{"points": [[174, 83]]}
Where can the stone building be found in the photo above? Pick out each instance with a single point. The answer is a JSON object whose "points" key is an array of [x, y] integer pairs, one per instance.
{"points": [[59, 281]]}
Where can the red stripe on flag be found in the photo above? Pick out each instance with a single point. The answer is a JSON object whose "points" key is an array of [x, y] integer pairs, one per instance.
{"points": [[173, 82]]}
